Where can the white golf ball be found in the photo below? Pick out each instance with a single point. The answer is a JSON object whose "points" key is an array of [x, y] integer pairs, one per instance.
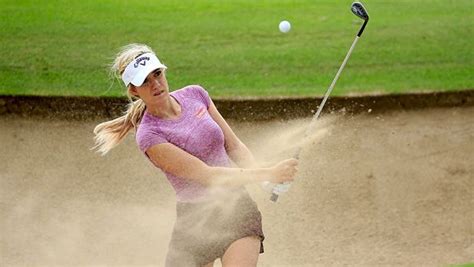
{"points": [[284, 26]]}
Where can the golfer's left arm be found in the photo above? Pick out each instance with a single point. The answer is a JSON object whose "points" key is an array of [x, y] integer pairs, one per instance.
{"points": [[236, 149], [239, 153]]}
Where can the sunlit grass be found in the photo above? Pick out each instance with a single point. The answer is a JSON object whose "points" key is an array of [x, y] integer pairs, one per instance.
{"points": [[234, 48]]}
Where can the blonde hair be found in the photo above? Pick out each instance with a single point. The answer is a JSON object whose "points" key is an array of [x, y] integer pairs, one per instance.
{"points": [[110, 133]]}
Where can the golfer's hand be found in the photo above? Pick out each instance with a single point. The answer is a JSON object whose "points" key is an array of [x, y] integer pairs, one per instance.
{"points": [[284, 171]]}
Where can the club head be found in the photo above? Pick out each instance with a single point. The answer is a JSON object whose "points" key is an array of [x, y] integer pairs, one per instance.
{"points": [[359, 10]]}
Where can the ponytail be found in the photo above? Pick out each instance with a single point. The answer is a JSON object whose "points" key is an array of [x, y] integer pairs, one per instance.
{"points": [[110, 133]]}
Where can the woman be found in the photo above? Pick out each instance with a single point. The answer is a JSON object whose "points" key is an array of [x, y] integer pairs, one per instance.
{"points": [[183, 134]]}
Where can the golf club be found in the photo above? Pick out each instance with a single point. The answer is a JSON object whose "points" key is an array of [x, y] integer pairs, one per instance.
{"points": [[358, 9]]}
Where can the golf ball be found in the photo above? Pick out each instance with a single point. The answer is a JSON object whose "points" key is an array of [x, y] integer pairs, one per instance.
{"points": [[284, 26]]}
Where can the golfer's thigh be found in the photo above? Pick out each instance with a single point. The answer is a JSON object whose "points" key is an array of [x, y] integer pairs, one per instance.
{"points": [[242, 252]]}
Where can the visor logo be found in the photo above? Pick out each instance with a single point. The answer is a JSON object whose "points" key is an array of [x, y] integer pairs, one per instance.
{"points": [[141, 61]]}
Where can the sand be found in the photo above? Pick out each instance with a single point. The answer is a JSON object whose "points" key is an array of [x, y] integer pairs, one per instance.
{"points": [[391, 189]]}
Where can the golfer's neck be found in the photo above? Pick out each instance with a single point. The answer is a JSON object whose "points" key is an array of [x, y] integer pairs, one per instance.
{"points": [[166, 109]]}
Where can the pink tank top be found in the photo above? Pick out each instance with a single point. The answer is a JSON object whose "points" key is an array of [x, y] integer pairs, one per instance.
{"points": [[194, 132]]}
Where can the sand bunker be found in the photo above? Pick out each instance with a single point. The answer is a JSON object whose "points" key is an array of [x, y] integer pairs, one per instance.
{"points": [[386, 189]]}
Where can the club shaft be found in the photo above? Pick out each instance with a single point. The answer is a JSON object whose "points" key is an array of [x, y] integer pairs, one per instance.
{"points": [[309, 129]]}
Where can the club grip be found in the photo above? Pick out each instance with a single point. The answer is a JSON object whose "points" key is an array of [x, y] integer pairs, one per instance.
{"points": [[274, 197]]}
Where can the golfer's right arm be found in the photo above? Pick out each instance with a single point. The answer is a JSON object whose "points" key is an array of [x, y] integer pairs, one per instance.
{"points": [[178, 162]]}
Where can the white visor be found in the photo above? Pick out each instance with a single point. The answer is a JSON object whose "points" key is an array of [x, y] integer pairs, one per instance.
{"points": [[137, 70]]}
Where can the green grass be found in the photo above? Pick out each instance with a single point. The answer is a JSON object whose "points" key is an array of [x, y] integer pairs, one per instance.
{"points": [[463, 265], [234, 48]]}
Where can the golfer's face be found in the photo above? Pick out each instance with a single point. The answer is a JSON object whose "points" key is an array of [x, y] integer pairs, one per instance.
{"points": [[154, 86]]}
